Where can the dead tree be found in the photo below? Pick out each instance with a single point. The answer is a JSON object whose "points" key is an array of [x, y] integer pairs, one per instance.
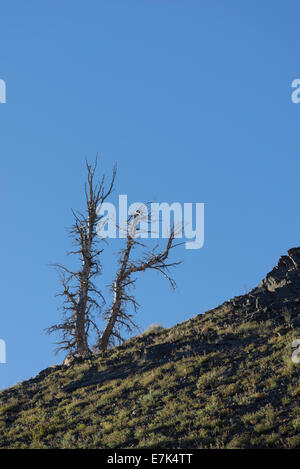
{"points": [[81, 296], [118, 317]]}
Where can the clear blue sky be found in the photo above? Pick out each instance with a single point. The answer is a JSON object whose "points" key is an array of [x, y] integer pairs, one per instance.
{"points": [[191, 99]]}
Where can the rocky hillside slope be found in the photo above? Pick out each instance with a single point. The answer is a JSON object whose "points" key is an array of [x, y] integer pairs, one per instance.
{"points": [[224, 379]]}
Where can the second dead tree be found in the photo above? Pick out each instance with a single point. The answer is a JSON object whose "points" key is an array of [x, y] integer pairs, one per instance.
{"points": [[118, 317]]}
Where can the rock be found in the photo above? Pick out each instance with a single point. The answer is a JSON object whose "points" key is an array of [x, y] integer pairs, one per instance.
{"points": [[69, 360], [158, 351], [294, 255], [296, 322]]}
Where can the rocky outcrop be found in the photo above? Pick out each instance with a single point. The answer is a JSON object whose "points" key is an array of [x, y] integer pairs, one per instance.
{"points": [[285, 274], [277, 295]]}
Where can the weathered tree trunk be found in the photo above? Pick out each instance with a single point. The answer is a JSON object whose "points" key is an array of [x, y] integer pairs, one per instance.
{"points": [[81, 323], [117, 299], [108, 330]]}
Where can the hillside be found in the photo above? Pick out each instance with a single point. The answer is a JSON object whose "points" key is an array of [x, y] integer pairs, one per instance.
{"points": [[224, 379]]}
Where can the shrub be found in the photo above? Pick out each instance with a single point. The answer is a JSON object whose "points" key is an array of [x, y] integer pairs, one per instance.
{"points": [[153, 329]]}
